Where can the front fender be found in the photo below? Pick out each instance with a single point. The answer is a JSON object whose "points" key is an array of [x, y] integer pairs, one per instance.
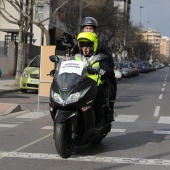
{"points": [[63, 115]]}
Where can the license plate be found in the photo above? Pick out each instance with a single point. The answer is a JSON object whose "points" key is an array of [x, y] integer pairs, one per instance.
{"points": [[35, 81]]}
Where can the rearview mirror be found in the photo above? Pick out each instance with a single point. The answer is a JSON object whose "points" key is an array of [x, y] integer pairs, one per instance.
{"points": [[54, 58]]}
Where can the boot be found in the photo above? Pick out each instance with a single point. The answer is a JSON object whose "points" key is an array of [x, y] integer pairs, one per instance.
{"points": [[110, 116], [110, 113]]}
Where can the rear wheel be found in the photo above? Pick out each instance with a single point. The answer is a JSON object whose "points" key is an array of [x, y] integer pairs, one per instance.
{"points": [[64, 141]]}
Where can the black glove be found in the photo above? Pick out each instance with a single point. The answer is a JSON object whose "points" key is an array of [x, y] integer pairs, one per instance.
{"points": [[90, 70]]}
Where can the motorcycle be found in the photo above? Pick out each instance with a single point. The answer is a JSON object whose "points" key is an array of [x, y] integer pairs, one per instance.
{"points": [[72, 94]]}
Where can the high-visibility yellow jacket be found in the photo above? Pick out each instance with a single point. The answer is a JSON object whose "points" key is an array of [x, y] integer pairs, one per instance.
{"points": [[95, 77]]}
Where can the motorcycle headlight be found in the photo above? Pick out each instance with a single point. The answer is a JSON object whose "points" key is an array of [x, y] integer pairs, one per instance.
{"points": [[56, 97], [76, 96], [25, 74], [71, 99]]}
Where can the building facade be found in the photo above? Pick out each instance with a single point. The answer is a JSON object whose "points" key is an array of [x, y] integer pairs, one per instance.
{"points": [[33, 37], [41, 11], [164, 46], [153, 37]]}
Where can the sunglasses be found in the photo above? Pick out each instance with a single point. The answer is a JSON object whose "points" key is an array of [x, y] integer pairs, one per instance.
{"points": [[86, 44]]}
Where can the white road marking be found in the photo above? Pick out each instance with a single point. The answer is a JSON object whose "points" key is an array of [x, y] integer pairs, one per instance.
{"points": [[160, 96], [139, 161], [126, 118], [157, 109], [162, 89], [164, 85], [47, 127], [33, 115], [112, 130], [18, 122], [8, 125], [118, 130], [164, 120], [161, 132]]}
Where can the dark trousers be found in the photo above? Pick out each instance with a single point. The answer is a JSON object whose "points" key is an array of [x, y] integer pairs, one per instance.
{"points": [[97, 105]]}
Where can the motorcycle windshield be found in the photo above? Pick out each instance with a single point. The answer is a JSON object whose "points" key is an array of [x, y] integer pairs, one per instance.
{"points": [[69, 73]]}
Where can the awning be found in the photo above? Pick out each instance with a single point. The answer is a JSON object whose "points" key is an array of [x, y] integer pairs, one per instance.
{"points": [[14, 31], [9, 30]]}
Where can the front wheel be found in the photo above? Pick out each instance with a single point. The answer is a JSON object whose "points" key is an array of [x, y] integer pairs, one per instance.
{"points": [[64, 140]]}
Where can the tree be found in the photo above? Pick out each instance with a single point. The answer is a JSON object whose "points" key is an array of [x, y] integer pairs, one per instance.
{"points": [[75, 11], [24, 20]]}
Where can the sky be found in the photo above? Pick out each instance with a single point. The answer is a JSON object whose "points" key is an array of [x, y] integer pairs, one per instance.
{"points": [[154, 15]]}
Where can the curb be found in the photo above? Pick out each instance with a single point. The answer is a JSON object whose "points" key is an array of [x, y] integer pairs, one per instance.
{"points": [[12, 109]]}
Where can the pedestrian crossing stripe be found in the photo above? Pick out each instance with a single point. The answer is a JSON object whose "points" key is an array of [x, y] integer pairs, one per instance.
{"points": [[32, 115], [8, 125], [118, 130], [47, 127], [164, 120], [126, 118], [161, 132]]}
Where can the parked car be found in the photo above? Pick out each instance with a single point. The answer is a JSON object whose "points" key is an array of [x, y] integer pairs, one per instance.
{"points": [[118, 71], [143, 66], [128, 69], [29, 79]]}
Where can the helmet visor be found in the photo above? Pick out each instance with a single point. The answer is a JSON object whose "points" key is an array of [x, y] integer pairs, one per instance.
{"points": [[86, 44]]}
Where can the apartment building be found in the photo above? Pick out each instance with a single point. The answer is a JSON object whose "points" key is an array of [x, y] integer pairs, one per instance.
{"points": [[41, 11], [165, 46], [33, 38], [120, 36], [153, 37]]}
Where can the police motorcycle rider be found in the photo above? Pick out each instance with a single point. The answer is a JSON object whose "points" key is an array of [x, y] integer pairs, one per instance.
{"points": [[88, 43], [90, 24]]}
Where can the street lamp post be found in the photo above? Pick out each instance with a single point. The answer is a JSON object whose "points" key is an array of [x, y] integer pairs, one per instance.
{"points": [[140, 14], [148, 24]]}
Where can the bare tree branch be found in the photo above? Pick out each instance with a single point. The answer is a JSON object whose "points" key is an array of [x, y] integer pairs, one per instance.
{"points": [[55, 11]]}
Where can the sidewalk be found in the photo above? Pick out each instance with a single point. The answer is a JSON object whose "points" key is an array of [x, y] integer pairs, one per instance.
{"points": [[7, 85]]}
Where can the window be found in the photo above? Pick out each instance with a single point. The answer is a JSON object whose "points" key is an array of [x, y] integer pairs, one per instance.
{"points": [[39, 12]]}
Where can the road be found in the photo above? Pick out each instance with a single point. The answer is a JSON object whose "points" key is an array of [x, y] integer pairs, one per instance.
{"points": [[139, 138]]}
